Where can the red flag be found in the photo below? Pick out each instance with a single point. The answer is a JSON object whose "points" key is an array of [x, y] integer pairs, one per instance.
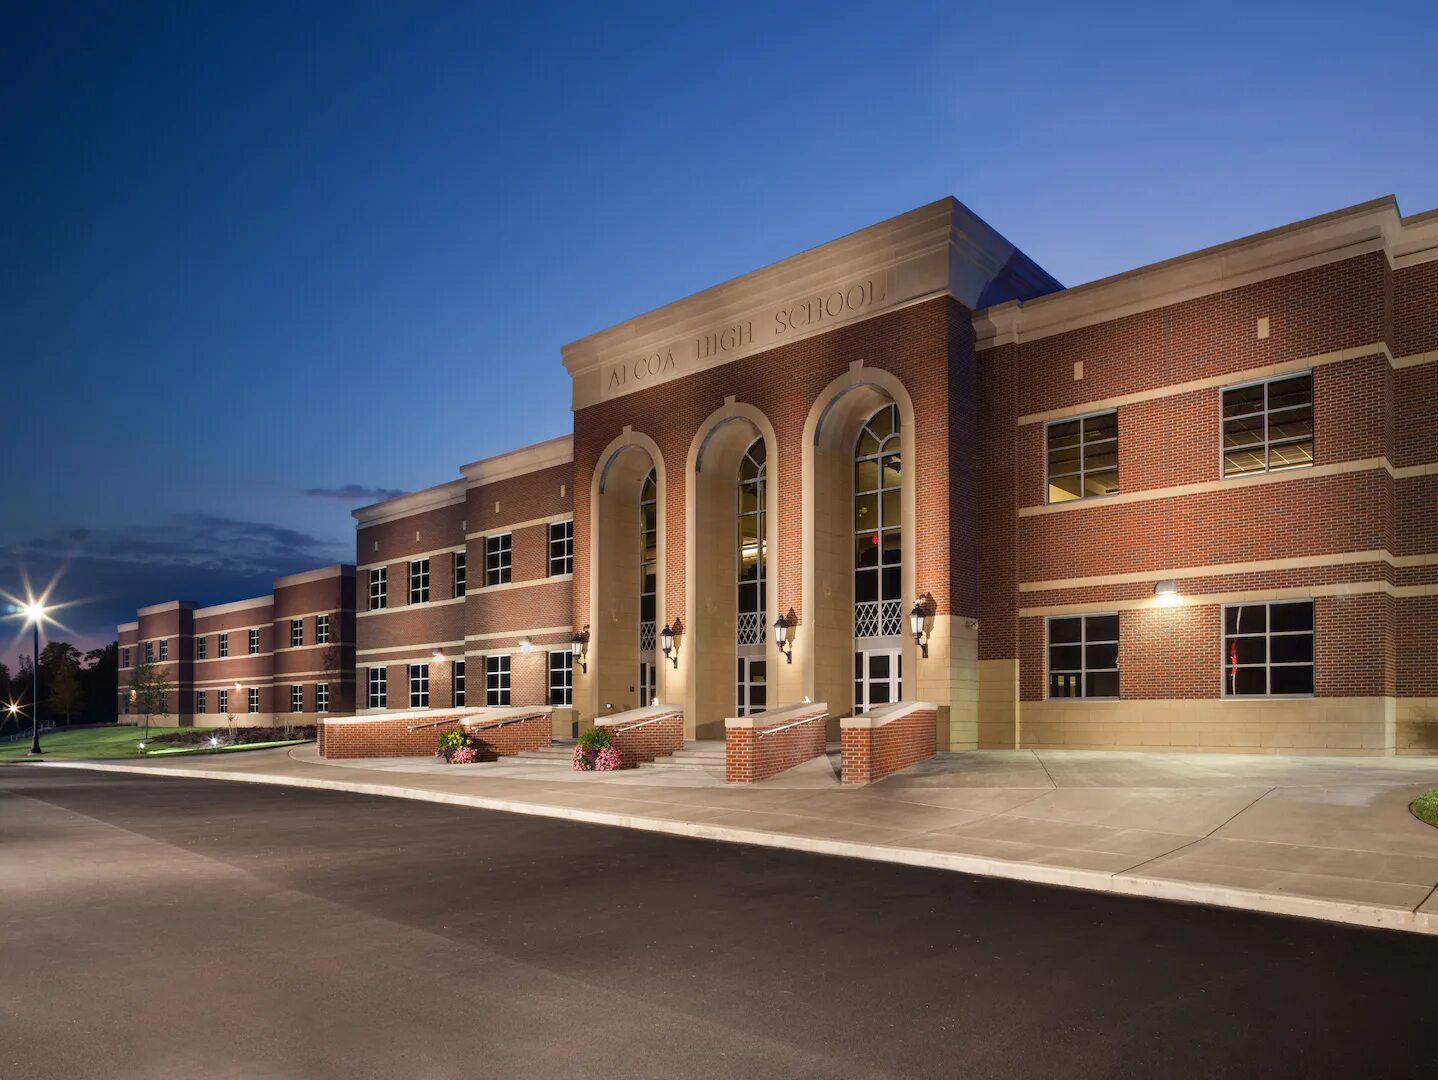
{"points": [[1233, 657]]}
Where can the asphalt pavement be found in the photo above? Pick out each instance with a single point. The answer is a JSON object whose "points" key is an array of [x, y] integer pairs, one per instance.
{"points": [[187, 928]]}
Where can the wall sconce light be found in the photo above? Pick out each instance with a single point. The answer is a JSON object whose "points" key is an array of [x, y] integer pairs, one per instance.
{"points": [[525, 645], [666, 642], [1166, 593], [437, 656], [916, 627], [781, 638], [578, 647]]}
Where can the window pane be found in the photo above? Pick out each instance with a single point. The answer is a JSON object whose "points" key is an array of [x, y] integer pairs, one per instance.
{"points": [[893, 547], [1065, 460], [1251, 650], [1102, 684], [1245, 619], [891, 475], [866, 512], [1063, 488], [1243, 400], [866, 550], [1291, 456], [1064, 657], [866, 476], [866, 586], [893, 516], [1063, 631], [1243, 461], [1103, 426], [1297, 616], [1064, 686], [1292, 648], [891, 583], [878, 666], [1293, 680], [882, 422], [1243, 432], [1101, 483], [1101, 656], [1102, 628], [1252, 680], [1065, 434], [1283, 393]]}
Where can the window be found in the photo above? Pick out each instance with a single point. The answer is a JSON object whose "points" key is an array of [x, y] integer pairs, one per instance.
{"points": [[751, 545], [419, 581], [561, 678], [297, 698], [648, 566], [223, 643], [1083, 656], [458, 684], [1268, 426], [149, 652], [254, 641], [125, 656], [1082, 457], [878, 528], [378, 588], [202, 648], [497, 552], [419, 686], [297, 633], [164, 650], [222, 701], [200, 701], [254, 699], [322, 697], [460, 559], [378, 688], [561, 548], [322, 629], [1268, 649], [496, 680]]}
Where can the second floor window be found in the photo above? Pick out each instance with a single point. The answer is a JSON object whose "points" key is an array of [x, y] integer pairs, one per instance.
{"points": [[149, 652], [254, 641], [322, 697], [254, 699], [498, 551], [378, 588], [561, 548], [458, 686], [202, 648], [222, 643], [561, 677], [419, 686], [378, 683], [1268, 426], [222, 700], [460, 560], [322, 629], [164, 650], [297, 698], [496, 680], [297, 633], [419, 581], [125, 657], [199, 701], [1082, 457]]}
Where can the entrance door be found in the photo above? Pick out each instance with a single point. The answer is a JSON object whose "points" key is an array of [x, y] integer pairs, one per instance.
{"points": [[647, 682], [753, 693], [878, 678]]}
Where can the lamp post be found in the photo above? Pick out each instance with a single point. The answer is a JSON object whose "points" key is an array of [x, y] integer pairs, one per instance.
{"points": [[34, 612]]}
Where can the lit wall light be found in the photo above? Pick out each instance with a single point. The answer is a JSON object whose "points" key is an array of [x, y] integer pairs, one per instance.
{"points": [[916, 627], [781, 638], [666, 643], [1166, 594], [579, 646]]}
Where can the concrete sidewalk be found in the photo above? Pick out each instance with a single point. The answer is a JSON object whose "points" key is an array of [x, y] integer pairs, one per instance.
{"points": [[1327, 838]]}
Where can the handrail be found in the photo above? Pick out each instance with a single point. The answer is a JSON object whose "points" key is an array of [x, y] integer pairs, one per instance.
{"points": [[434, 723], [652, 720], [793, 723], [505, 722]]}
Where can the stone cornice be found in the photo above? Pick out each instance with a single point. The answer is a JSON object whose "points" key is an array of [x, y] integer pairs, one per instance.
{"points": [[431, 498], [527, 459]]}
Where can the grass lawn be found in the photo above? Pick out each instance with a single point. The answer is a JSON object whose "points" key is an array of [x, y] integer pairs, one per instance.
{"points": [[1425, 807], [108, 744]]}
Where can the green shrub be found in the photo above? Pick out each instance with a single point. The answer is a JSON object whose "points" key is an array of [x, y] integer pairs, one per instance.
{"points": [[1425, 807], [453, 740], [596, 739]]}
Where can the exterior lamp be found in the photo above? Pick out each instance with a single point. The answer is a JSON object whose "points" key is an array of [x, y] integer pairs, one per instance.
{"points": [[34, 612], [781, 638], [1166, 593], [666, 643], [578, 646], [437, 656], [916, 627]]}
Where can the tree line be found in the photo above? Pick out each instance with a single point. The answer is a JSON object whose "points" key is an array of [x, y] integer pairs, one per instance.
{"points": [[75, 687]]}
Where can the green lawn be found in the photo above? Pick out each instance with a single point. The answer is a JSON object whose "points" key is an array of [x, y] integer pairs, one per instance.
{"points": [[107, 744], [1425, 807]]}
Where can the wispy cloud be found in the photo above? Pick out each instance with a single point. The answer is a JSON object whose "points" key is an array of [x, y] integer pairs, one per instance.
{"points": [[354, 493]]}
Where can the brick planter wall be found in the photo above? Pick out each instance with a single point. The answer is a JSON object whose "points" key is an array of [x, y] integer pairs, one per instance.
{"points": [[752, 754], [872, 753], [658, 737], [391, 737]]}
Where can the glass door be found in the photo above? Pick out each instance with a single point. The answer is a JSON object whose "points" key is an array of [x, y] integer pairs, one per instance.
{"points": [[878, 678], [753, 694]]}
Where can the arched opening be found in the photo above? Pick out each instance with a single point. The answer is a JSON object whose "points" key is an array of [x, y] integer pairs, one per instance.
{"points": [[751, 596], [878, 561]]}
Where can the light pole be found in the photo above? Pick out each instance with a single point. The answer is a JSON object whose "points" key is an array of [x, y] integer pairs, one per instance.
{"points": [[35, 613]]}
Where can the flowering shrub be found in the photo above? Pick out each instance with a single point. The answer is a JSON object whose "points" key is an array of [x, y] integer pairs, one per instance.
{"points": [[464, 755], [457, 748], [582, 760], [606, 760]]}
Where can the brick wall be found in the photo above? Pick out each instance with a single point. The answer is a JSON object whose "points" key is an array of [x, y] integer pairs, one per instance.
{"points": [[872, 753], [639, 741], [393, 737], [752, 754]]}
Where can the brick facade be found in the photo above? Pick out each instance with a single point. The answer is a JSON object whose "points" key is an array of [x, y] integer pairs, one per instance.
{"points": [[411, 736], [752, 754], [643, 740], [872, 753]]}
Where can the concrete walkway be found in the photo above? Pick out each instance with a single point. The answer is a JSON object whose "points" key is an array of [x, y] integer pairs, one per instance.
{"points": [[1327, 838]]}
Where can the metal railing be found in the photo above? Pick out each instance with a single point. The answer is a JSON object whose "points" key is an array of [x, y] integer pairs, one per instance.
{"points": [[878, 618], [792, 724], [668, 714], [751, 628]]}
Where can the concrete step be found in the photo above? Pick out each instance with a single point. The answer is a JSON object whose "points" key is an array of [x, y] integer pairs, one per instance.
{"points": [[556, 753]]}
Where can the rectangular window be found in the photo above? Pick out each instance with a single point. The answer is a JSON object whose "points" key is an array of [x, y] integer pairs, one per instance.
{"points": [[1268, 426], [322, 629], [378, 588], [223, 642], [561, 678], [561, 548], [419, 686], [1082, 457], [125, 657], [254, 641], [200, 702], [202, 648], [297, 698], [460, 571], [222, 700], [164, 650], [254, 699], [1083, 656], [496, 680], [149, 652], [1268, 649], [322, 697], [497, 552], [458, 699], [378, 688], [297, 633], [419, 581]]}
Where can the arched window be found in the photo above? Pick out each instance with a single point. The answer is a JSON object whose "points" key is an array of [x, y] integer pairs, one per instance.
{"points": [[648, 577], [878, 528], [753, 553]]}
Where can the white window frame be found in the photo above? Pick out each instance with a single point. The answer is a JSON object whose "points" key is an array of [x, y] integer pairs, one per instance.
{"points": [[200, 702], [322, 697], [498, 559], [498, 672], [457, 684], [378, 588], [222, 701], [1268, 442], [297, 633], [419, 686], [164, 650], [297, 697], [254, 699], [1083, 469], [202, 648], [377, 688], [419, 581], [222, 645], [461, 572], [254, 641], [563, 562], [561, 678], [125, 656], [149, 652], [1225, 678], [322, 629], [1082, 644]]}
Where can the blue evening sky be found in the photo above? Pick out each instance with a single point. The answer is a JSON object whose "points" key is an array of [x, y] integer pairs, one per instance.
{"points": [[261, 261]]}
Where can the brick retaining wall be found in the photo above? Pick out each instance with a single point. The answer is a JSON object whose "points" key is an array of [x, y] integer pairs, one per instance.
{"points": [[659, 736], [392, 737], [752, 754], [872, 753]]}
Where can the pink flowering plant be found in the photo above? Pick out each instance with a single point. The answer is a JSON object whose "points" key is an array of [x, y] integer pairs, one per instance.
{"points": [[606, 760], [457, 748], [596, 752]]}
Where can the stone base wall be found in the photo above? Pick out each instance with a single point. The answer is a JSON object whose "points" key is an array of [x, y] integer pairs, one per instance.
{"points": [[754, 754], [870, 754]]}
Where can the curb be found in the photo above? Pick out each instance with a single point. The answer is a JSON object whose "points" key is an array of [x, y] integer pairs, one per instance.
{"points": [[1385, 918]]}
